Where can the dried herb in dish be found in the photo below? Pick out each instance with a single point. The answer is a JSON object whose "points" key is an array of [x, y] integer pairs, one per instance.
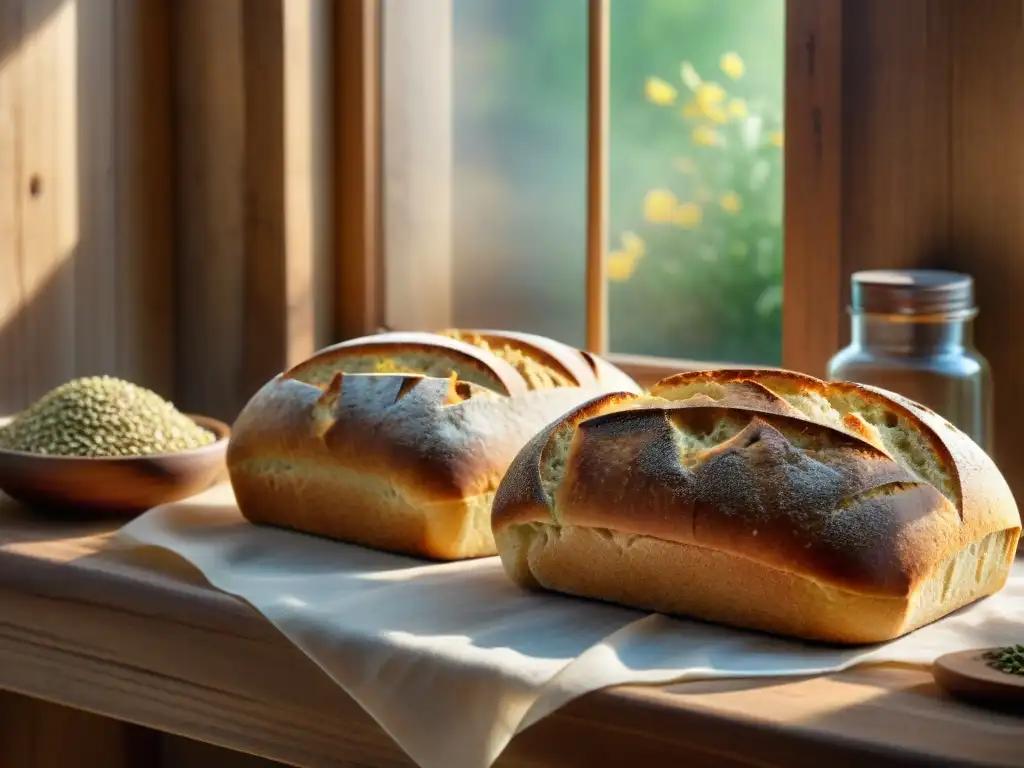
{"points": [[1009, 659]]}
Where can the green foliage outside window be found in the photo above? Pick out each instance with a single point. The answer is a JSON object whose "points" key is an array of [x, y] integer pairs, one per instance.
{"points": [[713, 230], [695, 180]]}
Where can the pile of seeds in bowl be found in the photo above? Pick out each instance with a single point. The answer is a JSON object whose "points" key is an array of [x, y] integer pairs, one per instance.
{"points": [[101, 416]]}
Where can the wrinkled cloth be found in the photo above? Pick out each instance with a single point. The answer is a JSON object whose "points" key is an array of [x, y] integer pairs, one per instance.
{"points": [[452, 659]]}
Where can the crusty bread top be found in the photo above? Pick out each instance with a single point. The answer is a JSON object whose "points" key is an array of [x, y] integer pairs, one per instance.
{"points": [[547, 362], [834, 481], [505, 361], [543, 362], [427, 354], [611, 377], [443, 438]]}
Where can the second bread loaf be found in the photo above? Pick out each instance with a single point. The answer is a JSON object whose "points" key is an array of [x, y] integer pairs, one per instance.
{"points": [[398, 441]]}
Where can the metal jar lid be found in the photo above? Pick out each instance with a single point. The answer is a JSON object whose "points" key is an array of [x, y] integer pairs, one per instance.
{"points": [[912, 292]]}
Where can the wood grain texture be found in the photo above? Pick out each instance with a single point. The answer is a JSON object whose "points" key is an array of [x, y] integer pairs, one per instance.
{"points": [[599, 56], [813, 222], [104, 631], [253, 187], [868, 170], [359, 287], [209, 208], [39, 734], [309, 175], [922, 169], [967, 674], [84, 220], [896, 112], [48, 189], [987, 194], [120, 487], [144, 196], [13, 363], [178, 752]]}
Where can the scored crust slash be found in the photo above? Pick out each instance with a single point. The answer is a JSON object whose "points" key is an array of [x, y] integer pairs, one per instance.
{"points": [[398, 441], [762, 499]]}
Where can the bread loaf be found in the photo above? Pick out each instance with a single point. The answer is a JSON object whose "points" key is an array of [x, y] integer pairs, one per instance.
{"points": [[761, 499], [398, 441]]}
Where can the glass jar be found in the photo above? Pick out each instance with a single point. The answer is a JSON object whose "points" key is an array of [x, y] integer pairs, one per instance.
{"points": [[912, 333]]}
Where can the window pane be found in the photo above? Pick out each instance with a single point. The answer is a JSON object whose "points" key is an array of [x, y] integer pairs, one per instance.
{"points": [[696, 178], [520, 165], [695, 235]]}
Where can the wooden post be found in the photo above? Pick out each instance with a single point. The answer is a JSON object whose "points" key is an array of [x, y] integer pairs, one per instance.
{"points": [[598, 62]]}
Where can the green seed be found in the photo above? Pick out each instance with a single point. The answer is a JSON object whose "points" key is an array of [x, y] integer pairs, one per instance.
{"points": [[1009, 659], [102, 416]]}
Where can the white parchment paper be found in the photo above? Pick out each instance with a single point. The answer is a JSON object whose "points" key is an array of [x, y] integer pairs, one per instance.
{"points": [[453, 659]]}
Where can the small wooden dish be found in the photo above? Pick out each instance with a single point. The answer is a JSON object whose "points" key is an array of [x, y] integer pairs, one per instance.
{"points": [[967, 675], [121, 486]]}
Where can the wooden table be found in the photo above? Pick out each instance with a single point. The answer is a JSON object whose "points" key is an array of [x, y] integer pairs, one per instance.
{"points": [[140, 637]]}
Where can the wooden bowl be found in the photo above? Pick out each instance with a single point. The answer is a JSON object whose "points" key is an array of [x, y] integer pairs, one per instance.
{"points": [[114, 486], [967, 675]]}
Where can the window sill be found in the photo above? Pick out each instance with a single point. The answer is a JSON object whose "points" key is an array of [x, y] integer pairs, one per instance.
{"points": [[647, 370]]}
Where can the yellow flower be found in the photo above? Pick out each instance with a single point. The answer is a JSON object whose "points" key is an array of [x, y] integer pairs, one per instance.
{"points": [[659, 92], [623, 262], [738, 109], [708, 102], [633, 244], [731, 202], [689, 76], [709, 95], [688, 215], [776, 138], [717, 115], [659, 205], [703, 136], [621, 266], [733, 65], [684, 165]]}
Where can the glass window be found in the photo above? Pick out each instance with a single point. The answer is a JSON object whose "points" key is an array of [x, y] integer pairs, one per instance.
{"points": [[695, 247]]}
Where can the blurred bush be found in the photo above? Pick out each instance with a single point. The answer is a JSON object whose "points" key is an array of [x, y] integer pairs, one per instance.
{"points": [[705, 264], [696, 172]]}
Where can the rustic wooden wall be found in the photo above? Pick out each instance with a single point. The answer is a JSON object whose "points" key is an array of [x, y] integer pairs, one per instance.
{"points": [[252, 205], [903, 150], [86, 271], [167, 179], [165, 194], [166, 206], [38, 734]]}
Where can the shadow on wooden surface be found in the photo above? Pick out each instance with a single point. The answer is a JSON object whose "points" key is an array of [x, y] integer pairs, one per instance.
{"points": [[87, 283], [38, 734], [160, 225]]}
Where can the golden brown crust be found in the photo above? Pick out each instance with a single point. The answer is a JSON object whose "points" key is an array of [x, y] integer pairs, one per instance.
{"points": [[494, 372], [565, 361], [521, 496], [846, 487], [575, 367], [646, 572], [609, 375], [399, 461], [894, 408]]}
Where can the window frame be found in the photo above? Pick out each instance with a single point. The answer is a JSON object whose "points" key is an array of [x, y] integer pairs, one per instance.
{"points": [[382, 63]]}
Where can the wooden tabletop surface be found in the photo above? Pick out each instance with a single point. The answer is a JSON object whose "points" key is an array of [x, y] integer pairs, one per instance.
{"points": [[141, 637]]}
